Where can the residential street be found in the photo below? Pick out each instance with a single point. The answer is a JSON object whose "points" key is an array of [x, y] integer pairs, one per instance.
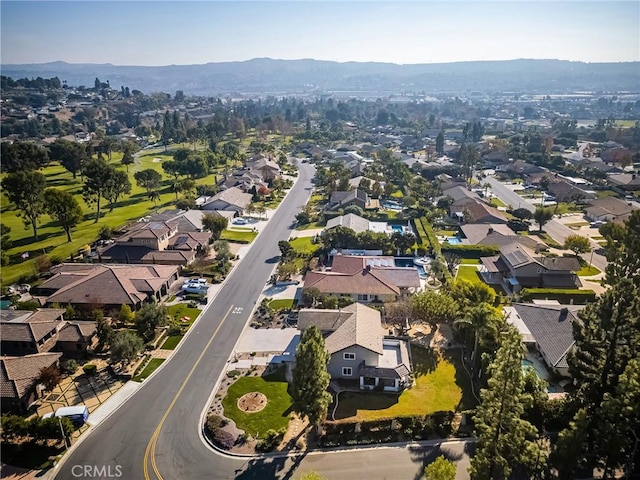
{"points": [[555, 229], [175, 397]]}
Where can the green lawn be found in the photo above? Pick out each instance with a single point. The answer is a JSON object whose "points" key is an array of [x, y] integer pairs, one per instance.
{"points": [[496, 202], [470, 261], [577, 225], [446, 233], [439, 385], [242, 236], [397, 194], [304, 245], [605, 193], [274, 416], [469, 273], [52, 239], [171, 342], [151, 367], [281, 303], [587, 271], [312, 225], [180, 310]]}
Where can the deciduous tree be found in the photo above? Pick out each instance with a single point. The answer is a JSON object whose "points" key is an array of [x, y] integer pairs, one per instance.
{"points": [[215, 224], [434, 308], [71, 155], [118, 185], [50, 377], [440, 469], [577, 243], [98, 176], [125, 346], [542, 216], [64, 208], [25, 189], [150, 317], [150, 180]]}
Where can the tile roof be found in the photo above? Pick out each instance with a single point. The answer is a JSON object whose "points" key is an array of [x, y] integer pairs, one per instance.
{"points": [[106, 284], [459, 192], [551, 326], [359, 283], [570, 264], [76, 331], [355, 324], [19, 374], [30, 326], [610, 205]]}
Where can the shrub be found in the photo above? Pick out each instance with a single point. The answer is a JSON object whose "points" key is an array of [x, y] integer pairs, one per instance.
{"points": [[233, 373], [222, 438], [68, 366], [89, 369], [216, 421], [472, 251], [271, 440], [568, 295]]}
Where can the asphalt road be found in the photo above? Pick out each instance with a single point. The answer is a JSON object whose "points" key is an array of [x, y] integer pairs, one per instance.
{"points": [[157, 428], [555, 229], [155, 434]]}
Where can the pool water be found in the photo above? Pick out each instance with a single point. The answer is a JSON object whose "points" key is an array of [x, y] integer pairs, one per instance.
{"points": [[397, 228], [453, 240]]}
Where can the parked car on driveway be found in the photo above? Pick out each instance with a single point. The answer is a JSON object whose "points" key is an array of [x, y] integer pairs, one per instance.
{"points": [[239, 221]]}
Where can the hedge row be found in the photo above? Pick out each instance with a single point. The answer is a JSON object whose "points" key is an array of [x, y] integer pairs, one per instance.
{"points": [[472, 251], [421, 235], [431, 236], [562, 295], [383, 431]]}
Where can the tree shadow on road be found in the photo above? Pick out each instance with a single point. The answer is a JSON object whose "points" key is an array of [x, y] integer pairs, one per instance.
{"points": [[424, 455], [281, 468]]}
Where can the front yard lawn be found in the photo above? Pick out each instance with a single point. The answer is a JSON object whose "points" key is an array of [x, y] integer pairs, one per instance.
{"points": [[180, 310], [587, 270], [151, 367], [239, 236], [281, 303], [311, 225], [496, 202], [171, 342], [440, 384], [274, 416], [304, 245]]}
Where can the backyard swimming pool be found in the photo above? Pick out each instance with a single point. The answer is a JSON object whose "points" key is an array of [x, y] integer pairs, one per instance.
{"points": [[391, 205], [453, 240]]}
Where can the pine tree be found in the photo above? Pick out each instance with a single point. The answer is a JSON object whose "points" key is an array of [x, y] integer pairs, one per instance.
{"points": [[310, 377], [607, 338], [505, 440]]}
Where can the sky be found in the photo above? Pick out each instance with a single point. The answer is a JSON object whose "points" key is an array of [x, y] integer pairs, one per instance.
{"points": [[179, 32]]}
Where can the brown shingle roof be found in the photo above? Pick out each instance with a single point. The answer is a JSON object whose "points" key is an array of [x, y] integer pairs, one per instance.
{"points": [[77, 331], [24, 326], [19, 374]]}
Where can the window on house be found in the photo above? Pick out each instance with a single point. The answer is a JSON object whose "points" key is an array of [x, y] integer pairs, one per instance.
{"points": [[363, 298], [349, 356], [347, 371]]}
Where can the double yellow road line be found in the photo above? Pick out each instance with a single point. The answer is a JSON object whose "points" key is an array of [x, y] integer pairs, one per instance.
{"points": [[150, 452]]}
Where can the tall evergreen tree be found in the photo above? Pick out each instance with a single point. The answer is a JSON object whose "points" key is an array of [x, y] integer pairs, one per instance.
{"points": [[310, 377], [440, 144], [118, 184], [98, 174], [505, 441]]}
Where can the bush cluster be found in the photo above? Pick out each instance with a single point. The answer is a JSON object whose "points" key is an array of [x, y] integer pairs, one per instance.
{"points": [[215, 430], [272, 440], [562, 295], [89, 369], [472, 251]]}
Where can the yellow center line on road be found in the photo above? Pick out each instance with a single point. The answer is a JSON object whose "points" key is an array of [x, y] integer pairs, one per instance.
{"points": [[150, 452]]}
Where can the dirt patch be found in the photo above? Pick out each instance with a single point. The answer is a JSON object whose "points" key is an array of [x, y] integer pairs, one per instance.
{"points": [[252, 402]]}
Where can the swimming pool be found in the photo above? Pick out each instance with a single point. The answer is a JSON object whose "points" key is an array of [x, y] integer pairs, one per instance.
{"points": [[397, 228], [453, 240], [391, 205]]}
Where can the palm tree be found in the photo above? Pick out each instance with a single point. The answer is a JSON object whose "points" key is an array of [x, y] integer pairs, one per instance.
{"points": [[482, 319]]}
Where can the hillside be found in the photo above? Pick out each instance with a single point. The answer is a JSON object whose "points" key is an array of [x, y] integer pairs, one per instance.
{"points": [[264, 75]]}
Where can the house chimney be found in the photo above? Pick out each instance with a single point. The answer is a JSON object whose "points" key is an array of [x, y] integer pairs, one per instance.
{"points": [[490, 230], [368, 268], [563, 313]]}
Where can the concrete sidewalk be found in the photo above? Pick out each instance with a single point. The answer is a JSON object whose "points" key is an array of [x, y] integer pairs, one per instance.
{"points": [[117, 399]]}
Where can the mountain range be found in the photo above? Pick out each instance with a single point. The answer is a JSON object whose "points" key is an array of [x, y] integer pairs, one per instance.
{"points": [[269, 76]]}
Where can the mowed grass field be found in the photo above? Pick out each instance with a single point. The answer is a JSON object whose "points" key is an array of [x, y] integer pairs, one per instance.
{"points": [[52, 240]]}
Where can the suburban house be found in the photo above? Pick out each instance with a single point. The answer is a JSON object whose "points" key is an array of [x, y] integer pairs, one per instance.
{"points": [[354, 338], [23, 332], [245, 180], [608, 209], [496, 234], [359, 224], [155, 243], [19, 379], [467, 206], [518, 267], [108, 286], [625, 181], [548, 329], [565, 191], [181, 220], [264, 167], [364, 279], [359, 198], [231, 199]]}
